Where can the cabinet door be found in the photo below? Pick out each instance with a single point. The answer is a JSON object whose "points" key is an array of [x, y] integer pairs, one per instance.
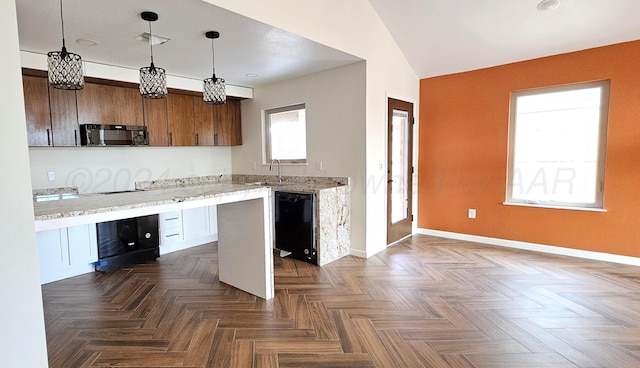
{"points": [[53, 252], [227, 122], [195, 223], [155, 118], [106, 104], [203, 116], [83, 245], [64, 117], [128, 105], [180, 119], [36, 104]]}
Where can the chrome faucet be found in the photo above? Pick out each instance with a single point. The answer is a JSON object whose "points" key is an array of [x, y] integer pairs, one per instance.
{"points": [[271, 168]]}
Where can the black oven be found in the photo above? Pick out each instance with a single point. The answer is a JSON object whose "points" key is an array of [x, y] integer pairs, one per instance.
{"points": [[127, 241]]}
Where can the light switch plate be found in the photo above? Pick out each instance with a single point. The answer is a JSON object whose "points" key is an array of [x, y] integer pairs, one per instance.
{"points": [[471, 213]]}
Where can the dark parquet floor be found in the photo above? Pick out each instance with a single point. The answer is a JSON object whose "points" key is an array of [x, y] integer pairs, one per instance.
{"points": [[425, 302]]}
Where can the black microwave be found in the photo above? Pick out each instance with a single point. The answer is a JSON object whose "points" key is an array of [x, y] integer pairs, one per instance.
{"points": [[113, 135]]}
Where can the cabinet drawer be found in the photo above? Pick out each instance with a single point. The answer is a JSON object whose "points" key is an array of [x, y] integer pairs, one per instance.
{"points": [[169, 220], [170, 235]]}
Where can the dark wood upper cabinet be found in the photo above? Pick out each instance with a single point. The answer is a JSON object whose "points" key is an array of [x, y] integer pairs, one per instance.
{"points": [[155, 118], [180, 120], [64, 117], [203, 116], [37, 112], [107, 104], [227, 123]]}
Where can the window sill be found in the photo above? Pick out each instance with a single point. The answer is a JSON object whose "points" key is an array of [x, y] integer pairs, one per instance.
{"points": [[587, 209]]}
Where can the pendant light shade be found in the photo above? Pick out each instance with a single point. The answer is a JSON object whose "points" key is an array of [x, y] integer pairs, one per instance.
{"points": [[65, 68], [153, 80], [214, 91]]}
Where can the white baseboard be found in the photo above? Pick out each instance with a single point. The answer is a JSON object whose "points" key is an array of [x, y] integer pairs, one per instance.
{"points": [[598, 256], [358, 253]]}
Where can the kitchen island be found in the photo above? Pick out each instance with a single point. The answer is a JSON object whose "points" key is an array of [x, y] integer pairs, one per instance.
{"points": [[243, 219]]}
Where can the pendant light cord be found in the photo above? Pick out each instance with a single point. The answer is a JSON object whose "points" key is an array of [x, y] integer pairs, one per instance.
{"points": [[151, 45], [213, 59], [62, 22]]}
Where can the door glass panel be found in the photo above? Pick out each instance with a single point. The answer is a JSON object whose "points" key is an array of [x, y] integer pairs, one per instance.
{"points": [[399, 165]]}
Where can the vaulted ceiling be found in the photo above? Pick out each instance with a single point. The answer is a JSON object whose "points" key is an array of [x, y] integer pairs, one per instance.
{"points": [[448, 36]]}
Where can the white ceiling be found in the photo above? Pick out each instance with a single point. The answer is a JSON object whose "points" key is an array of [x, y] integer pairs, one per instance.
{"points": [[448, 36], [245, 45], [437, 36]]}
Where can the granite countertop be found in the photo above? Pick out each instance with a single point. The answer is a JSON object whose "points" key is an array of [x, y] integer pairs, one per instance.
{"points": [[311, 184], [88, 204], [59, 203]]}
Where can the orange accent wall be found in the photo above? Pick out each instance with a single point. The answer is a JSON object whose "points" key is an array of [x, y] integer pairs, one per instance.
{"points": [[464, 122]]}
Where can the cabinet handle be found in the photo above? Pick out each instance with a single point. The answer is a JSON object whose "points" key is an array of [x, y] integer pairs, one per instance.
{"points": [[48, 137], [171, 139], [170, 235], [197, 144], [215, 139], [169, 219], [75, 136]]}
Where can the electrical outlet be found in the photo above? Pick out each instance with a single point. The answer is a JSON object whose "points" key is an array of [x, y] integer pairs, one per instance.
{"points": [[319, 165], [471, 213], [51, 175], [255, 165]]}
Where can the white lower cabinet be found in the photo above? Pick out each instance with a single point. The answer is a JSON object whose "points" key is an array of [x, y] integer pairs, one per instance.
{"points": [[53, 251], [170, 227], [71, 251], [213, 221], [195, 223], [83, 244], [187, 228], [66, 252]]}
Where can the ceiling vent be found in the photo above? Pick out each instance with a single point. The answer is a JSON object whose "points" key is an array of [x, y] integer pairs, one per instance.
{"points": [[155, 39]]}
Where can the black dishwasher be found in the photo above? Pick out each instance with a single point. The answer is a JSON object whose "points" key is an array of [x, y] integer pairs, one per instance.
{"points": [[295, 225], [125, 242]]}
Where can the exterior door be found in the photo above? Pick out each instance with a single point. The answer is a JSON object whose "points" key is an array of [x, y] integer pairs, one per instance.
{"points": [[399, 169]]}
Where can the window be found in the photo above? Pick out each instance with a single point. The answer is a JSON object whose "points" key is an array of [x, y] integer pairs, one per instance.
{"points": [[557, 145], [286, 134]]}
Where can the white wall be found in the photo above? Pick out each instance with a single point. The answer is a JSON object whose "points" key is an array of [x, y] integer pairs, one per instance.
{"points": [[104, 169], [354, 27], [21, 314], [335, 113]]}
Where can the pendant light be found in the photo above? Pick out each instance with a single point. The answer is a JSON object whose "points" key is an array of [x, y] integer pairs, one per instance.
{"points": [[153, 80], [65, 68], [214, 90]]}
